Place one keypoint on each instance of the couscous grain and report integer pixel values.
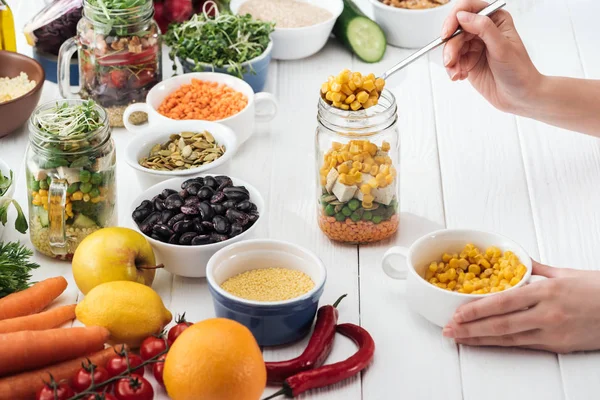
(11, 88)
(269, 284)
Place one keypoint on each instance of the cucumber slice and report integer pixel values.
(360, 34)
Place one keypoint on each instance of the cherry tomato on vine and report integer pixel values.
(117, 364)
(83, 378)
(54, 391)
(100, 396)
(152, 346)
(157, 369)
(134, 388)
(176, 330)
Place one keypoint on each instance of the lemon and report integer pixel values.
(216, 359)
(129, 310)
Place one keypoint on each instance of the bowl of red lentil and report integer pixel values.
(270, 286)
(205, 96)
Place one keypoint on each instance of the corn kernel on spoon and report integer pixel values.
(489, 10)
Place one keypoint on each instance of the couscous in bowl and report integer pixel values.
(272, 323)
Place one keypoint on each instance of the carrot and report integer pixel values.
(38, 322)
(22, 351)
(32, 300)
(25, 385)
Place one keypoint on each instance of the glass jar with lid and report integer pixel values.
(70, 175)
(119, 53)
(357, 154)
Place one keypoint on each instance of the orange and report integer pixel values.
(215, 359)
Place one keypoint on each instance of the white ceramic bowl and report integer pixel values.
(191, 261)
(5, 170)
(410, 28)
(262, 107)
(159, 132)
(435, 304)
(296, 43)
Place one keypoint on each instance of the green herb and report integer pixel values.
(15, 267)
(5, 202)
(226, 40)
(68, 120)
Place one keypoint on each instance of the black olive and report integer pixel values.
(201, 239)
(206, 211)
(175, 219)
(210, 182)
(146, 205)
(189, 210)
(174, 239)
(158, 196)
(244, 206)
(229, 204)
(219, 209)
(193, 188)
(184, 194)
(167, 192)
(235, 230)
(165, 216)
(218, 197)
(221, 224)
(243, 188)
(223, 181)
(200, 180)
(149, 222)
(162, 230)
(205, 193)
(207, 226)
(192, 201)
(159, 204)
(183, 226)
(174, 201)
(141, 214)
(187, 238)
(237, 216)
(198, 225)
(216, 238)
(236, 193)
(188, 182)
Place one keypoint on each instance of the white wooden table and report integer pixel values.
(463, 164)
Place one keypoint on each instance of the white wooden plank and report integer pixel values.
(399, 333)
(562, 166)
(485, 188)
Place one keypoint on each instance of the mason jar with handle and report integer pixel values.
(120, 57)
(70, 176)
(357, 155)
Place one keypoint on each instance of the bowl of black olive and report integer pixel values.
(187, 220)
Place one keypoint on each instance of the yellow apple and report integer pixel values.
(113, 254)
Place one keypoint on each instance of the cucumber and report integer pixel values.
(360, 34)
(43, 216)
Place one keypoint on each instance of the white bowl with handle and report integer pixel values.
(261, 107)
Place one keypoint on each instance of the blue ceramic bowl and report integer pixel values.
(256, 69)
(271, 323)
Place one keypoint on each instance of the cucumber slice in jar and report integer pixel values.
(360, 34)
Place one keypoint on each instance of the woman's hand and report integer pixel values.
(559, 314)
(491, 55)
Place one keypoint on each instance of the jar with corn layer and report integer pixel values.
(357, 171)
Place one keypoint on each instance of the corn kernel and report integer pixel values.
(467, 287)
(433, 266)
(368, 85)
(355, 105)
(368, 198)
(389, 180)
(373, 183)
(446, 257)
(441, 285)
(325, 88)
(385, 146)
(362, 97)
(374, 170)
(474, 269)
(379, 84)
(443, 277)
(451, 285)
(336, 87)
(429, 274)
(350, 99)
(451, 273)
(514, 281)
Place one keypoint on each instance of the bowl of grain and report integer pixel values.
(270, 286)
(411, 23)
(302, 27)
(21, 81)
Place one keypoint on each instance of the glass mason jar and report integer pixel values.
(357, 154)
(70, 185)
(120, 58)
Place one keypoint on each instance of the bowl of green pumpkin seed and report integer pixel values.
(179, 148)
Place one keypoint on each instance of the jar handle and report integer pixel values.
(57, 201)
(64, 68)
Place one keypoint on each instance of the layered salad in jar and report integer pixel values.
(358, 201)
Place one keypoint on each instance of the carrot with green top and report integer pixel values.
(32, 300)
(52, 318)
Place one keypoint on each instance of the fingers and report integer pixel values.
(453, 48)
(484, 28)
(469, 55)
(451, 23)
(501, 325)
(498, 304)
(524, 339)
(552, 272)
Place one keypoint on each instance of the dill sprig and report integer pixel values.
(15, 267)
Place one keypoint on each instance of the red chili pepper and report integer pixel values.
(317, 350)
(334, 373)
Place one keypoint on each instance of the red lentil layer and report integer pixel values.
(358, 232)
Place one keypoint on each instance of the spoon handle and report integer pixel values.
(489, 10)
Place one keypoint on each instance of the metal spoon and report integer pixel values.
(489, 10)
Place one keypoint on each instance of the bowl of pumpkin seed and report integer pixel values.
(178, 149)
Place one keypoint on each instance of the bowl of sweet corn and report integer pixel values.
(448, 268)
